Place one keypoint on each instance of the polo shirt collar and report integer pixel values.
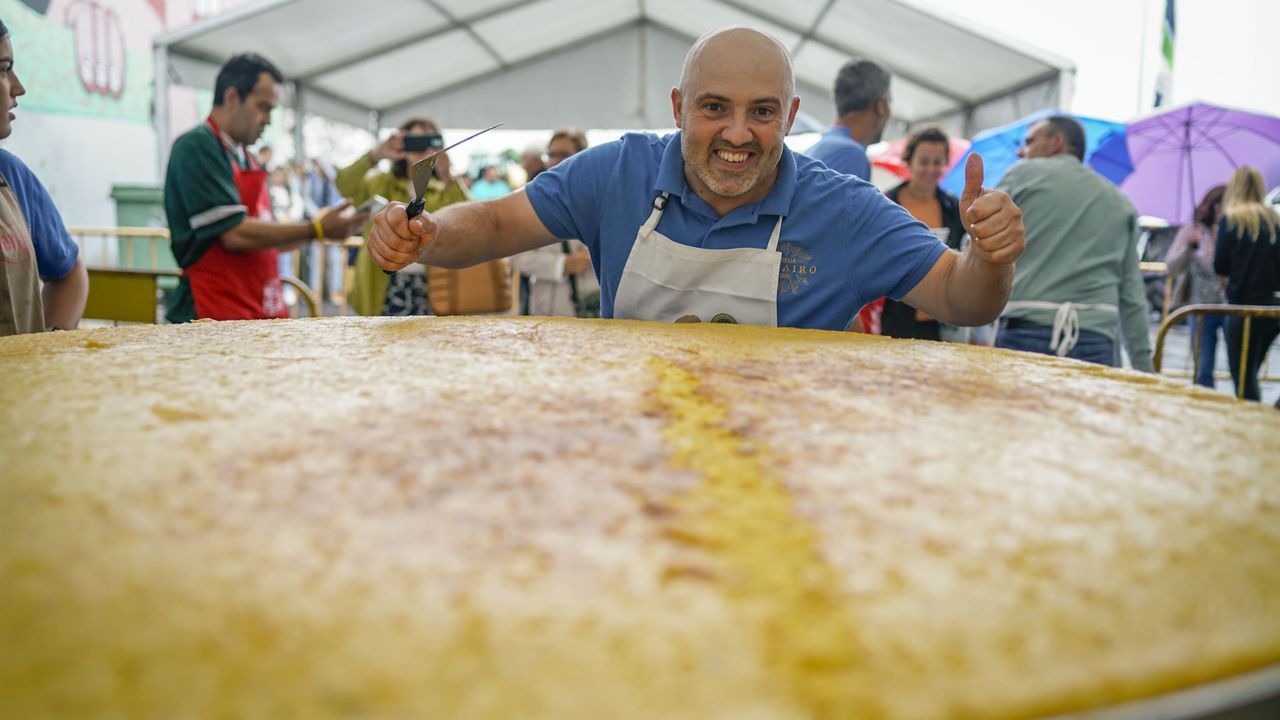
(238, 151)
(778, 202)
(839, 131)
(671, 169)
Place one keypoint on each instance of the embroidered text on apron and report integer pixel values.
(666, 281)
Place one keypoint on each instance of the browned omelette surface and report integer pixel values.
(523, 517)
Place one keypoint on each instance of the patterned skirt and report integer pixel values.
(406, 295)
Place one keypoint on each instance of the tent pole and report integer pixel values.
(1142, 54)
(299, 119)
(642, 86)
(1066, 89)
(160, 106)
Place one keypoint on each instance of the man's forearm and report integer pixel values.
(1137, 337)
(258, 235)
(976, 290)
(1133, 315)
(64, 298)
(473, 232)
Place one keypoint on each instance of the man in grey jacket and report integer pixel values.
(1078, 280)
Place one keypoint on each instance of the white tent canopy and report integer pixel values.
(600, 63)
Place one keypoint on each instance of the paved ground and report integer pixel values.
(1177, 357)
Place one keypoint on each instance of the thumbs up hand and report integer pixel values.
(994, 223)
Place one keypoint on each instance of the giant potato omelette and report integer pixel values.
(557, 518)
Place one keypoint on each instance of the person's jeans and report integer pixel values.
(1091, 347)
(333, 257)
(284, 262)
(1261, 335)
(1204, 331)
(309, 270)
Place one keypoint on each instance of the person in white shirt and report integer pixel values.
(561, 280)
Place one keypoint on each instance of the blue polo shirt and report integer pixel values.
(56, 252)
(840, 152)
(843, 243)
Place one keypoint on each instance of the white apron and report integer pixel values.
(666, 281)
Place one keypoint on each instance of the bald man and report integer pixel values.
(720, 222)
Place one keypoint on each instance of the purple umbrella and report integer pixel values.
(1179, 155)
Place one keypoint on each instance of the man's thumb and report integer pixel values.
(422, 224)
(973, 173)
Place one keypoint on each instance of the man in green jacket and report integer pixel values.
(1078, 280)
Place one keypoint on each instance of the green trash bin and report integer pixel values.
(142, 206)
(139, 205)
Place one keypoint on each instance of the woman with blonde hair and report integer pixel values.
(1247, 256)
(560, 279)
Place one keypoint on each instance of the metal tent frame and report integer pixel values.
(597, 63)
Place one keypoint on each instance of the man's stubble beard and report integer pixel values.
(706, 175)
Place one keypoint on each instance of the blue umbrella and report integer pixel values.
(999, 149)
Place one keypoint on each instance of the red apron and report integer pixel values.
(241, 284)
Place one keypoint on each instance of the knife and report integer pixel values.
(420, 174)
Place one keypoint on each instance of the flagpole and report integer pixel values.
(1168, 36)
(1142, 58)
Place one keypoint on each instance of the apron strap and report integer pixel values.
(1066, 320)
(1066, 329)
(659, 203)
(773, 239)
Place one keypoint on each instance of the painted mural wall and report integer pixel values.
(85, 57)
(85, 124)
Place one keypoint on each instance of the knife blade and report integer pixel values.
(421, 173)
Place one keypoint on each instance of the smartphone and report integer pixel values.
(422, 143)
(373, 204)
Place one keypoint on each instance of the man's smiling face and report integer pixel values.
(734, 108)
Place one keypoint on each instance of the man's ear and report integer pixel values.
(1059, 141)
(791, 116)
(228, 96)
(676, 102)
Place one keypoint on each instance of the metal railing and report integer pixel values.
(1249, 312)
(156, 240)
(1159, 267)
(304, 291)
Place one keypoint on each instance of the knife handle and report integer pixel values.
(413, 210)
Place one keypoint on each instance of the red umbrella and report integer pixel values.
(891, 158)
